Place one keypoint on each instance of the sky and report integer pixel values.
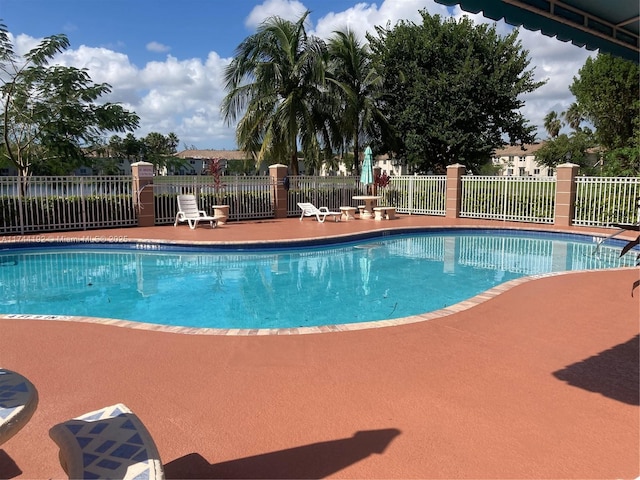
(165, 59)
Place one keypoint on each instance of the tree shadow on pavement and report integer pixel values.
(317, 460)
(612, 373)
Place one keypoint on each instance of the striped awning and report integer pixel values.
(610, 26)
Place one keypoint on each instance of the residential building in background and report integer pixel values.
(520, 161)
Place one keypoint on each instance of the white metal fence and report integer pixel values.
(422, 195)
(65, 203)
(247, 197)
(519, 199)
(409, 194)
(602, 201)
(81, 203)
(330, 192)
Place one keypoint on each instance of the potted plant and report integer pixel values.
(220, 209)
(380, 182)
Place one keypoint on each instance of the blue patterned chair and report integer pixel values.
(18, 402)
(108, 443)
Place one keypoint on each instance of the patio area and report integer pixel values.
(540, 381)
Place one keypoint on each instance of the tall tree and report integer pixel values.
(358, 85)
(567, 148)
(276, 80)
(453, 90)
(50, 112)
(160, 150)
(573, 116)
(608, 92)
(552, 124)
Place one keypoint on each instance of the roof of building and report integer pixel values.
(519, 150)
(211, 154)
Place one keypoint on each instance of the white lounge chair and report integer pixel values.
(188, 212)
(309, 210)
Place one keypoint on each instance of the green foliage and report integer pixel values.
(489, 169)
(274, 80)
(155, 148)
(622, 162)
(49, 113)
(565, 148)
(241, 167)
(552, 124)
(356, 87)
(452, 90)
(608, 93)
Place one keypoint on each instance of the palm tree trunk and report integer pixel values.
(293, 164)
(356, 153)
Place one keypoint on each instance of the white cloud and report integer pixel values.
(184, 95)
(557, 63)
(364, 17)
(23, 43)
(157, 47)
(288, 9)
(107, 66)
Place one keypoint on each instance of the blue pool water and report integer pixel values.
(376, 278)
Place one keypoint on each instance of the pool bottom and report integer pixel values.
(346, 327)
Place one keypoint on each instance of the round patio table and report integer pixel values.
(18, 401)
(369, 202)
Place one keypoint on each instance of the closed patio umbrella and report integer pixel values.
(366, 177)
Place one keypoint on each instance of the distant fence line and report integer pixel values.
(247, 197)
(82, 203)
(518, 199)
(606, 200)
(65, 203)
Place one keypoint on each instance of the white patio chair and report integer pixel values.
(309, 210)
(188, 212)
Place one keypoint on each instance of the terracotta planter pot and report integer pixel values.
(221, 211)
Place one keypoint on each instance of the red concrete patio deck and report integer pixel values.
(538, 382)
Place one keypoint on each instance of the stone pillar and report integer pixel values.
(277, 173)
(142, 175)
(565, 194)
(454, 190)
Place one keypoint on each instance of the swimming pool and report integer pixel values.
(380, 277)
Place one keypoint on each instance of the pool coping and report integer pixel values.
(142, 243)
(254, 245)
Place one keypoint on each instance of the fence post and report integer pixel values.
(21, 213)
(142, 175)
(277, 173)
(565, 194)
(454, 189)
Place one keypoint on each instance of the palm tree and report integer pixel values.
(276, 78)
(573, 116)
(552, 124)
(357, 84)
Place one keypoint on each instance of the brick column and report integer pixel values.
(142, 175)
(277, 173)
(565, 194)
(454, 189)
